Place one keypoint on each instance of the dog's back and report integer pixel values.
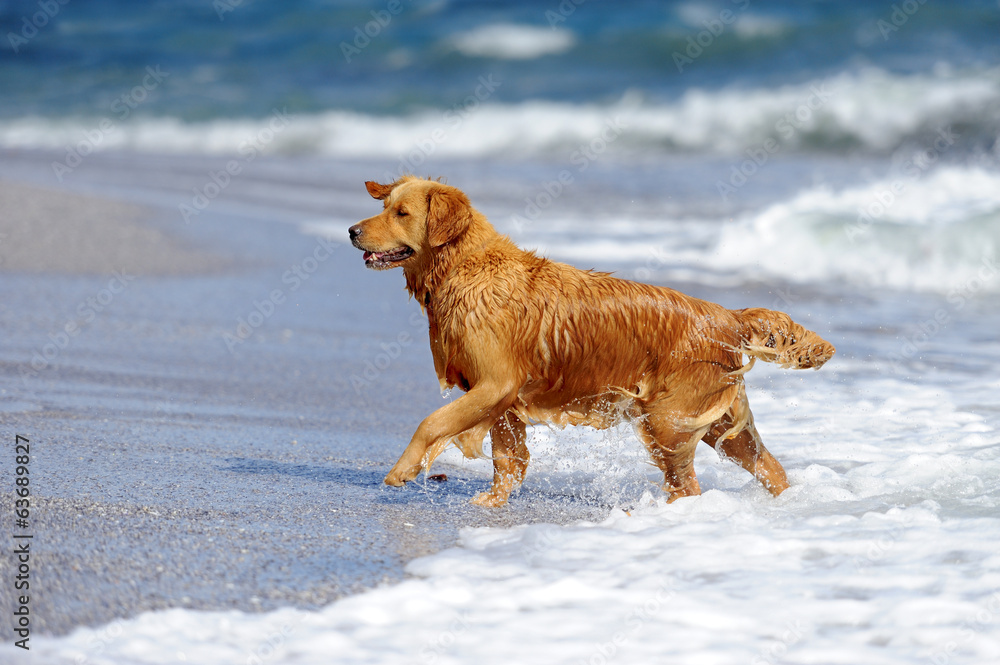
(531, 339)
(578, 333)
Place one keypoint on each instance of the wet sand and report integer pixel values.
(172, 466)
(51, 231)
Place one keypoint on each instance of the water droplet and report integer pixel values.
(446, 393)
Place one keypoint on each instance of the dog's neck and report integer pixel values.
(427, 275)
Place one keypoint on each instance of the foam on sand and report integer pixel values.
(882, 551)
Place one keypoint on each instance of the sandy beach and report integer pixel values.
(169, 470)
(212, 405)
(213, 386)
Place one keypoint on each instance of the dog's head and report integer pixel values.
(418, 217)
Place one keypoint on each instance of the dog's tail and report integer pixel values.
(774, 337)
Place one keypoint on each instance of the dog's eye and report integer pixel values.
(402, 213)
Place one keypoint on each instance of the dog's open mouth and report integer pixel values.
(379, 260)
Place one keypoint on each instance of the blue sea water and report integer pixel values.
(227, 59)
(850, 140)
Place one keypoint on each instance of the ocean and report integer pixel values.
(835, 160)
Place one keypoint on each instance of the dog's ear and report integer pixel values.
(378, 191)
(448, 215)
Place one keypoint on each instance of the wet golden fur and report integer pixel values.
(533, 340)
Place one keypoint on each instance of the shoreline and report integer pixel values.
(172, 471)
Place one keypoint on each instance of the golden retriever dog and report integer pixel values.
(531, 340)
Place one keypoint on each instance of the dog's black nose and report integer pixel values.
(355, 231)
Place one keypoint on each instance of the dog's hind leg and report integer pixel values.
(672, 449)
(510, 460)
(747, 450)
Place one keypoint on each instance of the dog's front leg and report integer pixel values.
(477, 410)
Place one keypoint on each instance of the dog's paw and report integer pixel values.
(394, 480)
(399, 477)
(489, 500)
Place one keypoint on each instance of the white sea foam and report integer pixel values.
(512, 42)
(933, 231)
(870, 110)
(745, 24)
(883, 551)
(751, 26)
(937, 232)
